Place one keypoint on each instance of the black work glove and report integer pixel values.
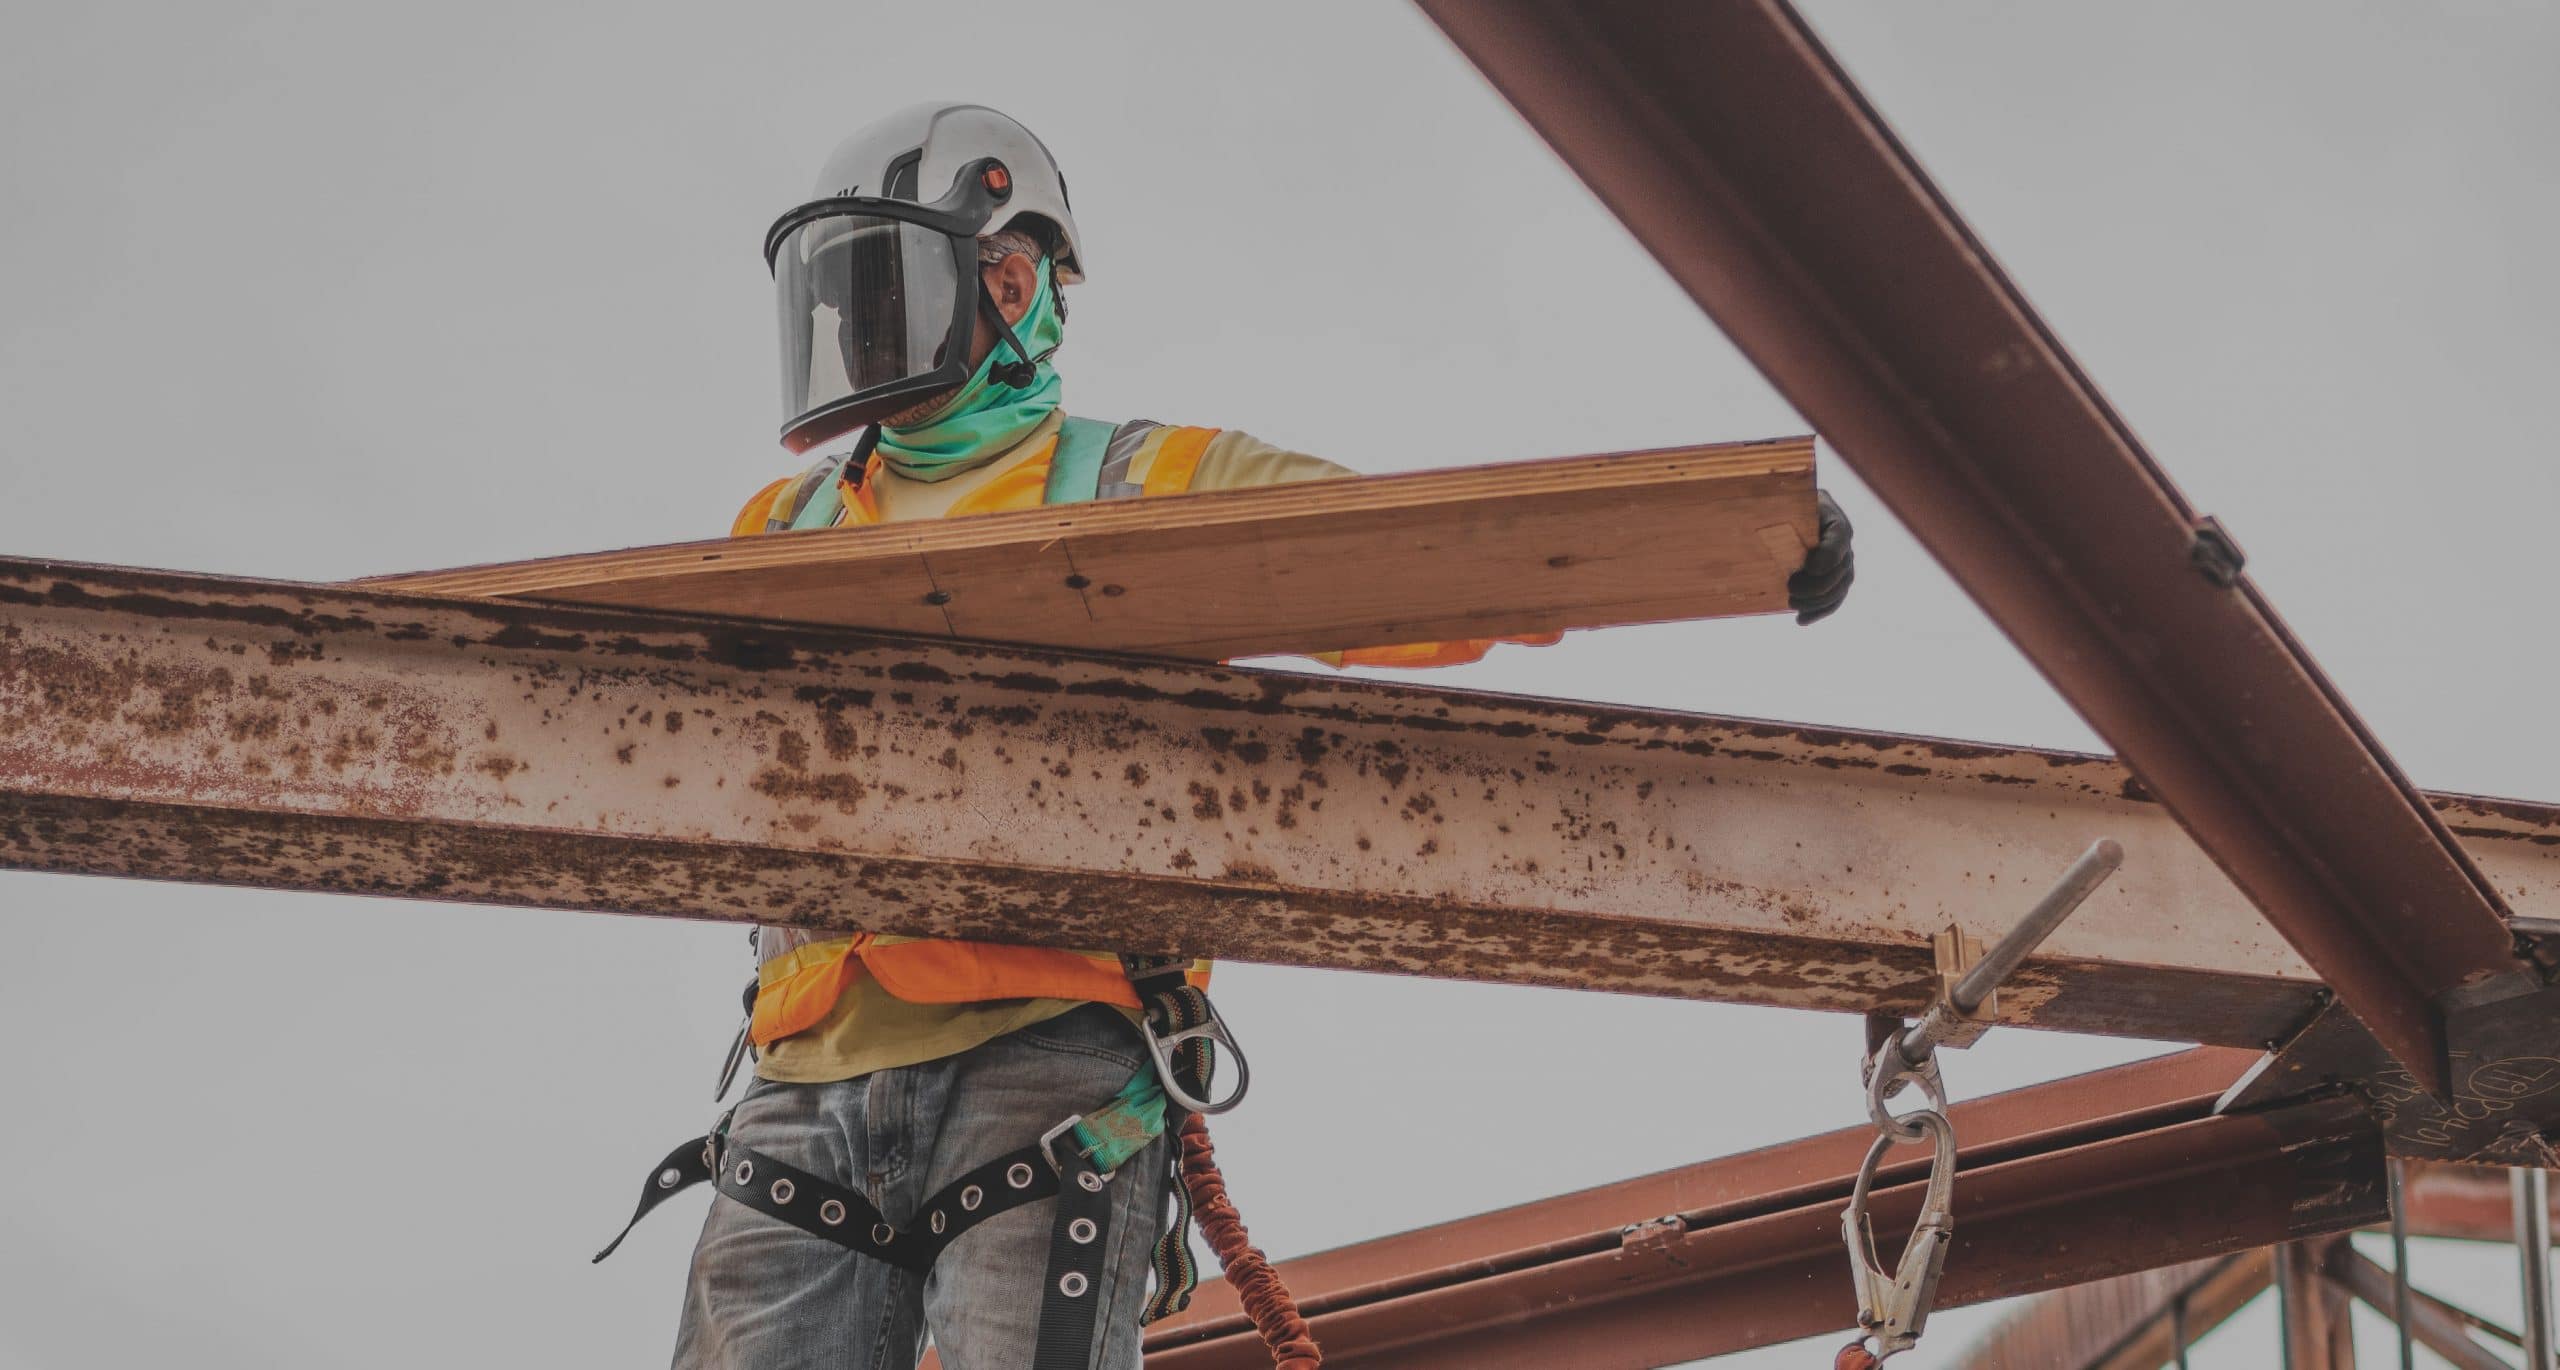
(1817, 588)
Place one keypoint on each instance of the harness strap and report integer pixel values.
(686, 1166)
(825, 1209)
(1072, 1302)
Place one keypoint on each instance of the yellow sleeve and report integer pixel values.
(751, 519)
(1236, 461)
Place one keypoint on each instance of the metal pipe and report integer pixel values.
(2178, 1328)
(2530, 1191)
(2400, 1263)
(2101, 860)
(1949, 1020)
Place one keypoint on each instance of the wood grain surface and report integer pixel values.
(1472, 552)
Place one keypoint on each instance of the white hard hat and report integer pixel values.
(876, 273)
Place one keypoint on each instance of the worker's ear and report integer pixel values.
(1013, 284)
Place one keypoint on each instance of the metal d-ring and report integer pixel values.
(1214, 1030)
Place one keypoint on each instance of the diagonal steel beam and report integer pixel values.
(309, 737)
(1740, 153)
(2130, 1322)
(2079, 1180)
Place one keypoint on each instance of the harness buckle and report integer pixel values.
(1142, 969)
(1161, 1046)
(1049, 1146)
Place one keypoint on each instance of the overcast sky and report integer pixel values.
(322, 290)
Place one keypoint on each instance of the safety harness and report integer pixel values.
(1074, 1161)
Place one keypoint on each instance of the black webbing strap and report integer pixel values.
(1078, 1242)
(823, 1208)
(686, 1166)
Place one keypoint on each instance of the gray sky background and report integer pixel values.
(322, 290)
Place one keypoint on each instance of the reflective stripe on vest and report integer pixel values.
(804, 972)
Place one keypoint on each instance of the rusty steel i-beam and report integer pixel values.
(2082, 1179)
(312, 737)
(1740, 153)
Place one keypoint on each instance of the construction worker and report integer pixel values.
(899, 1079)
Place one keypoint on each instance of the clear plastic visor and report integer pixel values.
(866, 303)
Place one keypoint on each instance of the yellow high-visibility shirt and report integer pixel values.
(835, 1021)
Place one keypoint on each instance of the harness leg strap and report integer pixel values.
(1079, 1243)
(686, 1166)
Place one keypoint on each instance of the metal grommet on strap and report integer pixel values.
(882, 1234)
(746, 1171)
(937, 1222)
(831, 1213)
(1073, 1284)
(669, 1177)
(1082, 1231)
(1091, 1180)
(971, 1197)
(1018, 1175)
(782, 1191)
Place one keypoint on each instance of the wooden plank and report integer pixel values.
(1484, 551)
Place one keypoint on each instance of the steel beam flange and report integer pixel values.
(2504, 1075)
(1738, 150)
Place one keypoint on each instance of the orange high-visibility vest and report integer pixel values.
(802, 974)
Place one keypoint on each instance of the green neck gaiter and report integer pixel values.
(987, 416)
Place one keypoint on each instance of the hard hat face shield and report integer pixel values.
(878, 303)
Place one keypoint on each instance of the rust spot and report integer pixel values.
(1136, 774)
(675, 721)
(792, 750)
(1183, 860)
(623, 752)
(837, 788)
(1204, 802)
(499, 765)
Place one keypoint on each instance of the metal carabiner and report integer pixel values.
(1893, 1308)
(1215, 1031)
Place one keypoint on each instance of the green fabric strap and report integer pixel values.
(1075, 469)
(1120, 1129)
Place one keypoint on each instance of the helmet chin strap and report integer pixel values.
(1025, 368)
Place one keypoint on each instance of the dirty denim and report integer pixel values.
(764, 1295)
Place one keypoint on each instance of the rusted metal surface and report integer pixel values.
(2082, 1108)
(307, 737)
(2130, 1322)
(1739, 152)
(2505, 1088)
(2073, 1188)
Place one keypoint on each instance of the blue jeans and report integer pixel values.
(764, 1295)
